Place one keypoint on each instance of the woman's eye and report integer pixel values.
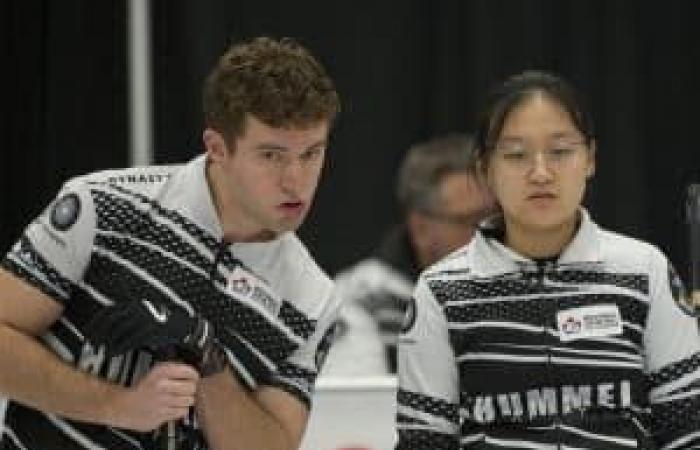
(514, 154)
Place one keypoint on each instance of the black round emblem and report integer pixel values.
(65, 212)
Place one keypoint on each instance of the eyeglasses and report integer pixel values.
(557, 156)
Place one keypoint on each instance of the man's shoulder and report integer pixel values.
(301, 280)
(140, 179)
(287, 265)
(297, 259)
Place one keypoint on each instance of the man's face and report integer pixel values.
(269, 177)
(463, 202)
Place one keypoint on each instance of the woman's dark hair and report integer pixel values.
(516, 90)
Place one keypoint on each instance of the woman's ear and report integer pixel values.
(591, 159)
(482, 174)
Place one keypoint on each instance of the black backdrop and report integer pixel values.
(406, 70)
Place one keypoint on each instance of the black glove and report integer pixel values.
(170, 333)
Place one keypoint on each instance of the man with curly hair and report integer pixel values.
(173, 306)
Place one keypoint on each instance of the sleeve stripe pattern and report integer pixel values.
(295, 380)
(676, 410)
(407, 421)
(675, 371)
(26, 263)
(433, 406)
(424, 422)
(71, 434)
(426, 440)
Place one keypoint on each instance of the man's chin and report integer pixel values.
(286, 226)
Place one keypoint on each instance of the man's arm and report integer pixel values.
(273, 415)
(32, 375)
(236, 419)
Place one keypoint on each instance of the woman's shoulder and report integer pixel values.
(625, 249)
(458, 263)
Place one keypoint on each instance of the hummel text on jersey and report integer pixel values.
(546, 401)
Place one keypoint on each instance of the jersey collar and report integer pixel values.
(192, 197)
(583, 248)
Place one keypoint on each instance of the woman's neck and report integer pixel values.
(540, 242)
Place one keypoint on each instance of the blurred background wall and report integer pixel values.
(405, 70)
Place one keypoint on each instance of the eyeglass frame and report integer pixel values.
(555, 156)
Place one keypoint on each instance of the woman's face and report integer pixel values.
(540, 164)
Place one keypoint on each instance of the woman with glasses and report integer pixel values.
(547, 331)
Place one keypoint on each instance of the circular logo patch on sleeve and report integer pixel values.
(65, 212)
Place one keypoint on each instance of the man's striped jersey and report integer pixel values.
(153, 233)
(593, 349)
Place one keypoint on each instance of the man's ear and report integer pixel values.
(214, 144)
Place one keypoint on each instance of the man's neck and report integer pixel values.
(233, 228)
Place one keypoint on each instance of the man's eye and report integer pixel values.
(311, 154)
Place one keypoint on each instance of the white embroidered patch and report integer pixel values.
(245, 285)
(589, 321)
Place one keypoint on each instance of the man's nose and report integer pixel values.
(292, 175)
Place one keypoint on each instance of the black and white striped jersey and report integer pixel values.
(153, 232)
(589, 351)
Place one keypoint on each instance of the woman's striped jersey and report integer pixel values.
(595, 349)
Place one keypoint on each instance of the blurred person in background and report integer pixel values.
(442, 201)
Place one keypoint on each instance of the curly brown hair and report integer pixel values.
(279, 82)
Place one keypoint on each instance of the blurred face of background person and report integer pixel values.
(443, 196)
(461, 202)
